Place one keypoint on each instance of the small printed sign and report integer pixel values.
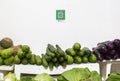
(60, 14)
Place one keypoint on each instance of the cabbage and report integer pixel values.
(115, 76)
(10, 77)
(79, 74)
(43, 77)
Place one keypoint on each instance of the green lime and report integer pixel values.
(78, 60)
(85, 59)
(92, 58)
(80, 53)
(76, 46)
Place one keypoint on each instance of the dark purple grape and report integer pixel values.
(116, 42)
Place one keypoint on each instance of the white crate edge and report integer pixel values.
(35, 69)
(7, 68)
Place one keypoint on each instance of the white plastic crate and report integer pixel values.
(35, 69)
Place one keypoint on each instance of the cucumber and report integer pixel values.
(60, 51)
(38, 60)
(44, 61)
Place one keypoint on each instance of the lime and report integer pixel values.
(80, 53)
(76, 46)
(92, 58)
(78, 60)
(85, 59)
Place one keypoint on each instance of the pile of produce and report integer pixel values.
(20, 54)
(55, 56)
(115, 76)
(107, 50)
(75, 74)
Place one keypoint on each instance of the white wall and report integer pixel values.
(33, 22)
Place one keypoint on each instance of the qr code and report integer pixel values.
(60, 14)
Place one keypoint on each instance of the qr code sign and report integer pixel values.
(60, 14)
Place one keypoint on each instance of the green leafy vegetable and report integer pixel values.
(43, 77)
(10, 77)
(79, 74)
(114, 77)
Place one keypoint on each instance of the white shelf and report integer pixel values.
(7, 68)
(34, 69)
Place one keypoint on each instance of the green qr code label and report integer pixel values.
(60, 14)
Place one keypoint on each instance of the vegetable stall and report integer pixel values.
(55, 58)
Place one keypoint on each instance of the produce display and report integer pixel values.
(107, 50)
(53, 57)
(75, 74)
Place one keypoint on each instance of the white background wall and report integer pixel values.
(33, 22)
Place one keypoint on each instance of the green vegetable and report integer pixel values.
(54, 59)
(64, 64)
(75, 74)
(92, 58)
(32, 59)
(77, 59)
(20, 53)
(7, 52)
(70, 51)
(6, 42)
(48, 52)
(38, 60)
(28, 55)
(24, 61)
(60, 51)
(48, 57)
(94, 76)
(115, 76)
(76, 46)
(16, 59)
(51, 65)
(70, 59)
(52, 48)
(25, 48)
(10, 77)
(44, 61)
(86, 51)
(9, 61)
(27, 79)
(1, 61)
(80, 53)
(61, 59)
(56, 64)
(61, 78)
(85, 59)
(43, 77)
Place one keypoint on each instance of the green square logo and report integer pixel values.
(60, 14)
